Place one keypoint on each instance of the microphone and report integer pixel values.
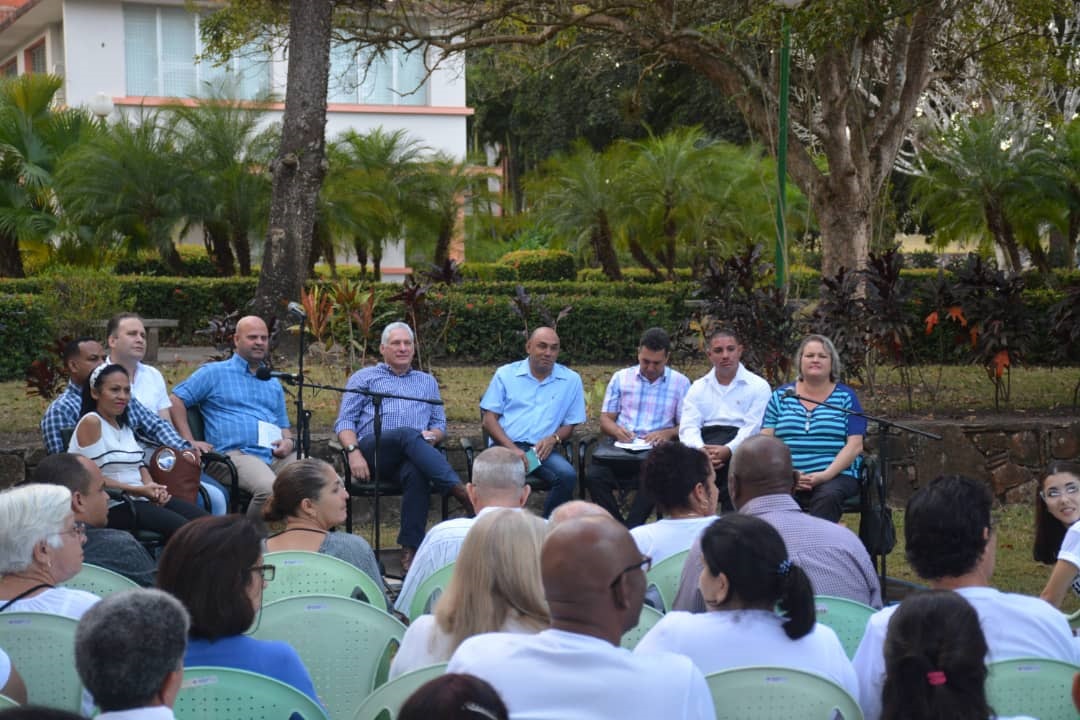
(295, 309)
(265, 373)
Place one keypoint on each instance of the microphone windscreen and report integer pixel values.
(263, 373)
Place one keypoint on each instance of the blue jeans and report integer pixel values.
(418, 466)
(219, 497)
(558, 474)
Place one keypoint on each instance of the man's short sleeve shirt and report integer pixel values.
(532, 409)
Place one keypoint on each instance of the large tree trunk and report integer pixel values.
(300, 166)
(638, 253)
(242, 246)
(216, 242)
(360, 244)
(1002, 231)
(605, 249)
(11, 264)
(845, 229)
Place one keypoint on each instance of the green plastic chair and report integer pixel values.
(1074, 620)
(846, 618)
(42, 649)
(777, 693)
(429, 591)
(220, 693)
(665, 575)
(649, 617)
(6, 702)
(1038, 687)
(386, 702)
(310, 573)
(100, 581)
(346, 645)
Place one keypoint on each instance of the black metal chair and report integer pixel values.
(875, 517)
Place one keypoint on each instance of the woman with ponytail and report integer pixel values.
(759, 609)
(934, 668)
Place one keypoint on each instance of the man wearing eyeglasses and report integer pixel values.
(576, 667)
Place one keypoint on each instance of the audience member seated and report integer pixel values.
(244, 416)
(214, 566)
(951, 544)
(495, 587)
(129, 651)
(454, 697)
(934, 668)
(682, 482)
(115, 550)
(594, 583)
(11, 683)
(534, 404)
(410, 431)
(311, 499)
(575, 509)
(498, 481)
(40, 548)
(38, 712)
(1057, 534)
(643, 402)
(760, 609)
(826, 444)
(833, 557)
(105, 436)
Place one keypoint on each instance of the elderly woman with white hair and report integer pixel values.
(40, 548)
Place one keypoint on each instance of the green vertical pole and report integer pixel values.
(781, 154)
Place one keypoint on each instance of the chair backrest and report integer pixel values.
(665, 575)
(345, 644)
(195, 422)
(6, 702)
(42, 648)
(309, 573)
(100, 581)
(649, 617)
(429, 591)
(1037, 687)
(1074, 620)
(219, 693)
(846, 618)
(385, 703)
(777, 693)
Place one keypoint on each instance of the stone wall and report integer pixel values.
(1009, 453)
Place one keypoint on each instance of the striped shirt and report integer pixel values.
(816, 436)
(644, 406)
(358, 414)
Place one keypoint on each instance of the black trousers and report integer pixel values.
(165, 519)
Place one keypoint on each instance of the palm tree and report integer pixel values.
(131, 184)
(222, 141)
(1066, 157)
(33, 136)
(448, 185)
(579, 196)
(987, 178)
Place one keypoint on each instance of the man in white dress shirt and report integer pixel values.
(951, 544)
(594, 582)
(498, 481)
(129, 651)
(724, 407)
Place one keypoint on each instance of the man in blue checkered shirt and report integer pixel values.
(410, 431)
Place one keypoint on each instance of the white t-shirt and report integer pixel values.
(425, 643)
(5, 669)
(664, 538)
(721, 640)
(1015, 626)
(1070, 552)
(149, 388)
(58, 601)
(558, 674)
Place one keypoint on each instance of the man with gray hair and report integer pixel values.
(129, 651)
(498, 481)
(411, 428)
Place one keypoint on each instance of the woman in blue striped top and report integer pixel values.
(825, 443)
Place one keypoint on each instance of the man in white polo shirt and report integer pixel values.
(951, 544)
(498, 481)
(594, 583)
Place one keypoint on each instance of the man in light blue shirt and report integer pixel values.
(236, 406)
(535, 403)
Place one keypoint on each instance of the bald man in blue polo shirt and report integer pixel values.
(535, 403)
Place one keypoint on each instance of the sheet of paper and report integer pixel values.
(269, 433)
(637, 445)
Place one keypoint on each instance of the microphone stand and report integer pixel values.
(884, 426)
(376, 479)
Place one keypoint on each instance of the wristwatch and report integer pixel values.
(349, 449)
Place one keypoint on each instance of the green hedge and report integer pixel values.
(24, 331)
(488, 271)
(194, 261)
(541, 264)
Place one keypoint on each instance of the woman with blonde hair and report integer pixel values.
(495, 587)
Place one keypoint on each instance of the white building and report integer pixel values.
(133, 54)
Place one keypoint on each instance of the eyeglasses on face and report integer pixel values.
(266, 571)
(645, 563)
(1057, 493)
(78, 530)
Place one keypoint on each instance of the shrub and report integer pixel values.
(24, 331)
(77, 299)
(921, 259)
(194, 261)
(192, 301)
(541, 264)
(634, 274)
(488, 271)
